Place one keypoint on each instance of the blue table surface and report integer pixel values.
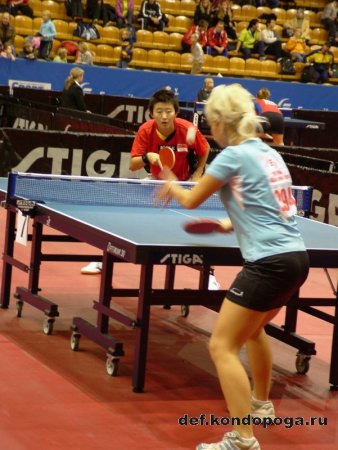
(157, 226)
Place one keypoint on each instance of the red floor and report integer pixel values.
(54, 398)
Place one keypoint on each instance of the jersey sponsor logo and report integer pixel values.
(237, 292)
(182, 258)
(182, 148)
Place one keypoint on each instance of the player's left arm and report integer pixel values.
(202, 160)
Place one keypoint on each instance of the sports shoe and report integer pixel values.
(260, 408)
(213, 284)
(232, 441)
(93, 268)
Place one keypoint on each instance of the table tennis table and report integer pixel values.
(118, 217)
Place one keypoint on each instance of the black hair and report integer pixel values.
(163, 96)
(252, 23)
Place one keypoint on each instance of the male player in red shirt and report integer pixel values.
(165, 129)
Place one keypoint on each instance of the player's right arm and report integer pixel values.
(140, 156)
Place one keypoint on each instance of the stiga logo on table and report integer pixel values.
(182, 258)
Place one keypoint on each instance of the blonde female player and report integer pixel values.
(255, 188)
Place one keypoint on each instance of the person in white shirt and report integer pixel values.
(273, 45)
(197, 54)
(329, 20)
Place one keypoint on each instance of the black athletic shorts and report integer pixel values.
(270, 282)
(275, 124)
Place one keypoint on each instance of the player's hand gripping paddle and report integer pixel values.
(167, 157)
(203, 226)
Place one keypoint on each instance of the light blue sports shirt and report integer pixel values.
(257, 196)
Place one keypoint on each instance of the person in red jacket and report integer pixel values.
(274, 125)
(217, 40)
(201, 30)
(16, 7)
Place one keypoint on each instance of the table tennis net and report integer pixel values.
(93, 191)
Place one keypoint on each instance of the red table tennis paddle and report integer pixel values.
(167, 157)
(203, 226)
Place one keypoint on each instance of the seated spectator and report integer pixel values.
(204, 93)
(127, 49)
(225, 14)
(201, 30)
(28, 51)
(74, 9)
(84, 56)
(61, 56)
(329, 20)
(7, 53)
(217, 40)
(197, 55)
(7, 31)
(203, 12)
(299, 21)
(322, 64)
(47, 33)
(124, 12)
(151, 15)
(273, 45)
(16, 7)
(97, 10)
(250, 40)
(296, 46)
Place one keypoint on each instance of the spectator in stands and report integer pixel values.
(329, 19)
(151, 15)
(126, 50)
(217, 40)
(7, 53)
(201, 30)
(204, 93)
(203, 12)
(273, 45)
(97, 10)
(7, 31)
(296, 46)
(84, 56)
(197, 54)
(224, 13)
(322, 63)
(124, 12)
(74, 9)
(61, 56)
(299, 21)
(275, 120)
(16, 7)
(28, 51)
(250, 40)
(72, 95)
(47, 32)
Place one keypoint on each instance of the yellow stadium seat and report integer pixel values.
(175, 41)
(37, 21)
(280, 13)
(105, 54)
(36, 7)
(18, 43)
(188, 8)
(253, 67)
(263, 10)
(318, 36)
(248, 12)
(53, 7)
(171, 7)
(207, 64)
(236, 12)
(186, 62)
(269, 69)
(110, 35)
(62, 29)
(220, 64)
(172, 60)
(23, 25)
(181, 24)
(144, 38)
(241, 25)
(139, 59)
(156, 59)
(161, 40)
(236, 66)
(291, 13)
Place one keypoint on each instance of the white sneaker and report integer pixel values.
(213, 283)
(260, 408)
(232, 441)
(93, 268)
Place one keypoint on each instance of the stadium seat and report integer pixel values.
(186, 62)
(236, 66)
(181, 24)
(62, 29)
(110, 35)
(318, 36)
(291, 13)
(36, 7)
(55, 47)
(207, 64)
(156, 59)
(105, 54)
(175, 41)
(188, 8)
(53, 7)
(36, 24)
(253, 67)
(137, 6)
(161, 40)
(220, 64)
(334, 50)
(241, 25)
(279, 30)
(269, 69)
(248, 12)
(171, 7)
(93, 50)
(18, 43)
(236, 12)
(280, 13)
(144, 38)
(23, 25)
(140, 58)
(172, 60)
(117, 54)
(263, 10)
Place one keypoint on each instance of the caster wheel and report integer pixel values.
(19, 306)
(75, 342)
(185, 309)
(112, 366)
(48, 325)
(302, 363)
